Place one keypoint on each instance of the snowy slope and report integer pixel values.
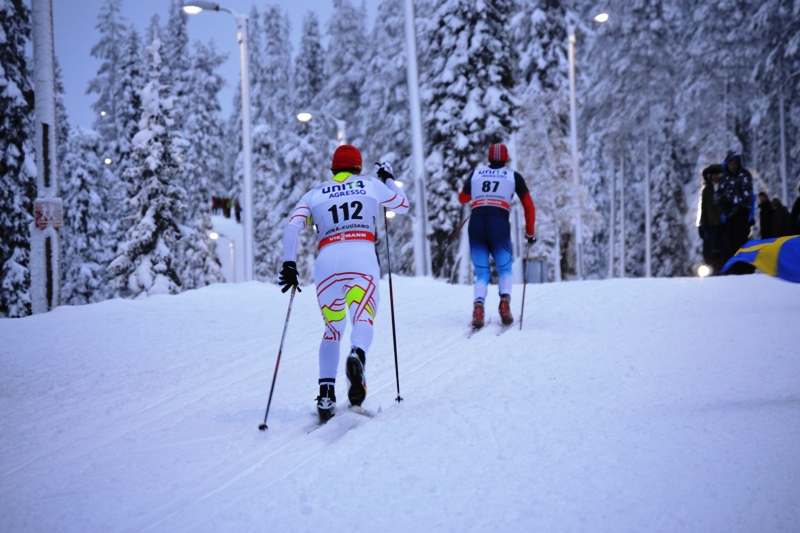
(623, 405)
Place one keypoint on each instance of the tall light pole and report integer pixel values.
(194, 7)
(573, 125)
(573, 122)
(307, 115)
(48, 208)
(422, 247)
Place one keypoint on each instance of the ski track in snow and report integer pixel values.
(655, 405)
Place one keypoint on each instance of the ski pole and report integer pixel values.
(524, 283)
(456, 232)
(391, 304)
(263, 426)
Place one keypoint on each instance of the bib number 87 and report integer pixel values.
(487, 186)
(345, 209)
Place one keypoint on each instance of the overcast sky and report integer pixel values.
(75, 33)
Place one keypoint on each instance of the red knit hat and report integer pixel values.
(346, 156)
(498, 152)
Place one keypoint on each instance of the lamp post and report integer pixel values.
(784, 186)
(306, 116)
(422, 246)
(216, 235)
(573, 122)
(194, 7)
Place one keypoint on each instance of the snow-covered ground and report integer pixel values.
(624, 405)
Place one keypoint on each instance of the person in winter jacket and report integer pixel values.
(490, 189)
(343, 210)
(781, 220)
(795, 214)
(735, 197)
(710, 220)
(765, 216)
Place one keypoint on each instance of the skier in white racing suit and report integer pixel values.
(346, 271)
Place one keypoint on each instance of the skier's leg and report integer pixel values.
(504, 259)
(479, 252)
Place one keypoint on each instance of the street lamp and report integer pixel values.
(192, 8)
(784, 187)
(573, 121)
(214, 236)
(306, 116)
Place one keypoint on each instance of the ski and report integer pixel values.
(319, 423)
(504, 328)
(473, 330)
(357, 409)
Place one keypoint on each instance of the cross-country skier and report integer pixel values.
(490, 189)
(346, 272)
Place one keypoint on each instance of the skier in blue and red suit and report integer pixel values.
(490, 190)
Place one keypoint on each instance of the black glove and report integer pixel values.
(701, 230)
(530, 238)
(288, 276)
(384, 171)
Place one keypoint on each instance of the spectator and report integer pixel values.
(765, 216)
(710, 220)
(795, 214)
(735, 197)
(781, 221)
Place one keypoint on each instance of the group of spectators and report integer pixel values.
(775, 219)
(727, 214)
(224, 206)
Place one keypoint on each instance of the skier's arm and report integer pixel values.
(466, 193)
(391, 196)
(298, 219)
(527, 204)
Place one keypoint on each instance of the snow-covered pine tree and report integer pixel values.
(776, 28)
(544, 154)
(386, 122)
(131, 78)
(344, 68)
(302, 170)
(145, 263)
(629, 99)
(62, 120)
(267, 250)
(309, 70)
(17, 160)
(255, 49)
(113, 33)
(276, 75)
(84, 239)
(309, 149)
(468, 103)
(175, 54)
(203, 128)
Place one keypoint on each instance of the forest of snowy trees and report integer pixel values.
(664, 88)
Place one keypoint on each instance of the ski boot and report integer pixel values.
(505, 312)
(477, 315)
(356, 376)
(326, 401)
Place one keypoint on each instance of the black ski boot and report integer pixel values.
(326, 401)
(356, 376)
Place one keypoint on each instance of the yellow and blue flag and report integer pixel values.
(777, 257)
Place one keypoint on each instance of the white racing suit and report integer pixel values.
(346, 273)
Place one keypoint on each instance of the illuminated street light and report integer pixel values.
(308, 115)
(192, 8)
(573, 120)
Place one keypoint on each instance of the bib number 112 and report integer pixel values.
(345, 209)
